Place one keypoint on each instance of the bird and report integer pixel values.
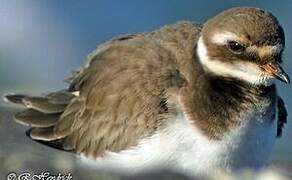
(197, 98)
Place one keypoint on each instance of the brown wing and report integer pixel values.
(122, 96)
(123, 93)
(282, 116)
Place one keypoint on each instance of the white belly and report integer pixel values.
(247, 146)
(184, 148)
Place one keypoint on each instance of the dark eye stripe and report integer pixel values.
(235, 47)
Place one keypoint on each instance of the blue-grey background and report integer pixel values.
(41, 42)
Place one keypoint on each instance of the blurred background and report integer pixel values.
(41, 42)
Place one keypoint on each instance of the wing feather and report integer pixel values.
(35, 118)
(120, 102)
(122, 94)
(282, 116)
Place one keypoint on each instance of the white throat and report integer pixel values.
(245, 71)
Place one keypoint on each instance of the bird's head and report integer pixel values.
(245, 44)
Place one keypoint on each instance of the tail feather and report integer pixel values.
(34, 118)
(43, 104)
(42, 114)
(57, 144)
(14, 98)
(44, 134)
(60, 97)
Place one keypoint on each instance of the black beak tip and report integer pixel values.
(288, 80)
(284, 78)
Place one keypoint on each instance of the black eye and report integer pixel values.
(235, 47)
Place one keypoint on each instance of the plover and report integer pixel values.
(192, 97)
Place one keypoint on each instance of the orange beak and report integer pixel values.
(274, 69)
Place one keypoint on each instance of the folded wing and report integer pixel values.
(119, 98)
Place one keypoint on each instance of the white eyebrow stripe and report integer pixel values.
(223, 38)
(245, 71)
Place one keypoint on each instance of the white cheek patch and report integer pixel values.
(245, 71)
